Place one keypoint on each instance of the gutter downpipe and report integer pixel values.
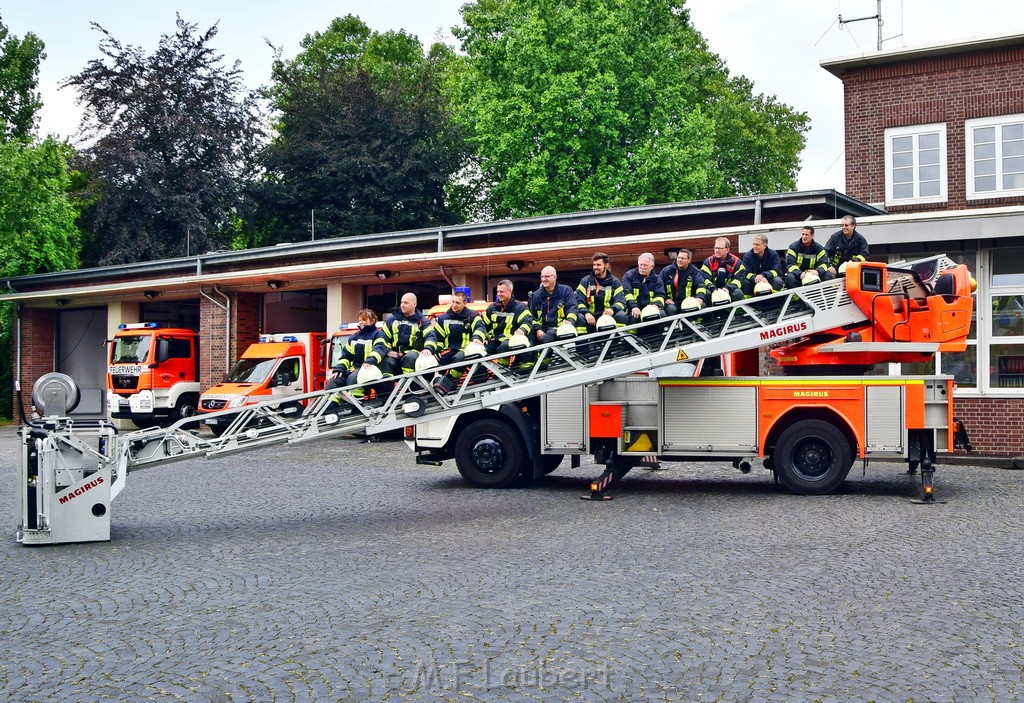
(445, 276)
(226, 307)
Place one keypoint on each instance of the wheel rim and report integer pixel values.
(488, 455)
(812, 458)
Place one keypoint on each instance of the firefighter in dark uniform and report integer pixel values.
(601, 294)
(761, 265)
(682, 280)
(723, 271)
(505, 318)
(643, 287)
(363, 350)
(551, 305)
(845, 245)
(403, 332)
(803, 256)
(448, 336)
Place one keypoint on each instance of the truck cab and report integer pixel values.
(152, 373)
(276, 367)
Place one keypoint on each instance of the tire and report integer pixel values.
(550, 462)
(186, 407)
(490, 454)
(812, 457)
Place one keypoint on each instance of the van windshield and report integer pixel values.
(250, 370)
(130, 350)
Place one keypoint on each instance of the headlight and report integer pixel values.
(236, 402)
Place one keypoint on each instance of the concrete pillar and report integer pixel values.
(343, 302)
(118, 312)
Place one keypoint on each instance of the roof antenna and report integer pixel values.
(876, 16)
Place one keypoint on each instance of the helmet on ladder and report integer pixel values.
(566, 330)
(762, 288)
(425, 361)
(690, 304)
(518, 341)
(368, 374)
(650, 312)
(809, 276)
(605, 322)
(842, 267)
(473, 350)
(720, 296)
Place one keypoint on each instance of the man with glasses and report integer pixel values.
(845, 245)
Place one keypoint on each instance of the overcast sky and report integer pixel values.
(778, 45)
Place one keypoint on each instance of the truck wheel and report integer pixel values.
(185, 407)
(812, 457)
(490, 454)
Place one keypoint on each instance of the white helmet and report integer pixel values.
(425, 361)
(566, 330)
(605, 322)
(842, 267)
(720, 296)
(474, 349)
(518, 341)
(762, 288)
(650, 312)
(368, 374)
(809, 276)
(691, 303)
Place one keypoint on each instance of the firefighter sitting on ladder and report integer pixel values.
(553, 305)
(507, 322)
(724, 273)
(360, 360)
(685, 287)
(645, 293)
(456, 335)
(806, 261)
(403, 332)
(602, 296)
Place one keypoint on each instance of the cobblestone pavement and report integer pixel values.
(340, 571)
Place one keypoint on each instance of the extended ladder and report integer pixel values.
(60, 456)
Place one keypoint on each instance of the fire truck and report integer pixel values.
(277, 367)
(152, 374)
(620, 394)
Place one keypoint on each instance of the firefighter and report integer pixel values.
(507, 321)
(449, 337)
(806, 261)
(360, 359)
(552, 305)
(601, 294)
(724, 273)
(761, 264)
(403, 332)
(683, 282)
(845, 245)
(643, 288)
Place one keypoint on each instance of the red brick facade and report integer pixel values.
(217, 344)
(947, 89)
(37, 348)
(995, 425)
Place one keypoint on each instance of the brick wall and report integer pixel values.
(37, 344)
(245, 330)
(995, 425)
(948, 89)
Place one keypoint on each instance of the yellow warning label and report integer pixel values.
(642, 443)
(681, 356)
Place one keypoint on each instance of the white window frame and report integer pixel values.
(915, 131)
(996, 122)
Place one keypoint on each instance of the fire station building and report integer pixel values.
(934, 164)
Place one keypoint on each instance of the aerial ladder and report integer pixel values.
(71, 470)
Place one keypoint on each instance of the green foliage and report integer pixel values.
(37, 220)
(171, 136)
(363, 143)
(583, 104)
(19, 74)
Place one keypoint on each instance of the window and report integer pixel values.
(915, 164)
(995, 156)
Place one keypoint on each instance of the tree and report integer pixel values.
(363, 142)
(583, 104)
(170, 138)
(19, 74)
